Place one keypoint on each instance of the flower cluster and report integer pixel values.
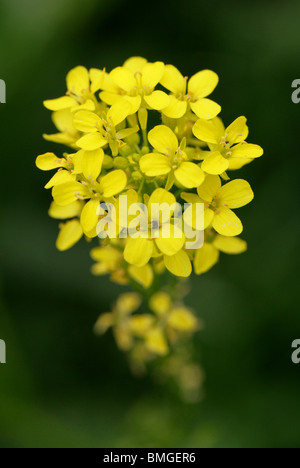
(146, 131)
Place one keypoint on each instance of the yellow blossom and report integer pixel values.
(135, 83)
(192, 93)
(219, 201)
(228, 149)
(170, 159)
(78, 92)
(140, 248)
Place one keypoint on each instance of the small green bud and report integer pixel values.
(136, 175)
(125, 150)
(120, 163)
(133, 139)
(136, 157)
(108, 162)
(145, 150)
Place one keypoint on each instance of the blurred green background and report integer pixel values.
(62, 386)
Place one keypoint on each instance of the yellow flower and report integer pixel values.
(170, 160)
(135, 83)
(79, 94)
(119, 319)
(68, 134)
(191, 94)
(219, 201)
(228, 149)
(178, 317)
(101, 132)
(168, 238)
(111, 184)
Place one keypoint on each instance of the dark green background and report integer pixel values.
(62, 386)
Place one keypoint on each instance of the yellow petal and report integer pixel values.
(62, 138)
(194, 216)
(215, 163)
(237, 131)
(118, 112)
(238, 163)
(135, 64)
(152, 73)
(230, 245)
(142, 275)
(109, 256)
(65, 194)
(138, 251)
(91, 142)
(205, 109)
(69, 235)
(92, 163)
(206, 131)
(88, 105)
(189, 175)
(181, 319)
(65, 212)
(209, 188)
(156, 342)
(61, 177)
(63, 102)
(49, 161)
(97, 79)
(163, 139)
(154, 164)
(78, 81)
(123, 78)
(157, 100)
(160, 196)
(109, 97)
(160, 303)
(179, 264)
(173, 80)
(208, 217)
(172, 242)
(87, 122)
(104, 322)
(190, 197)
(108, 84)
(203, 83)
(227, 223)
(175, 109)
(127, 132)
(89, 217)
(134, 101)
(246, 151)
(141, 324)
(236, 193)
(113, 183)
(205, 258)
(128, 303)
(63, 120)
